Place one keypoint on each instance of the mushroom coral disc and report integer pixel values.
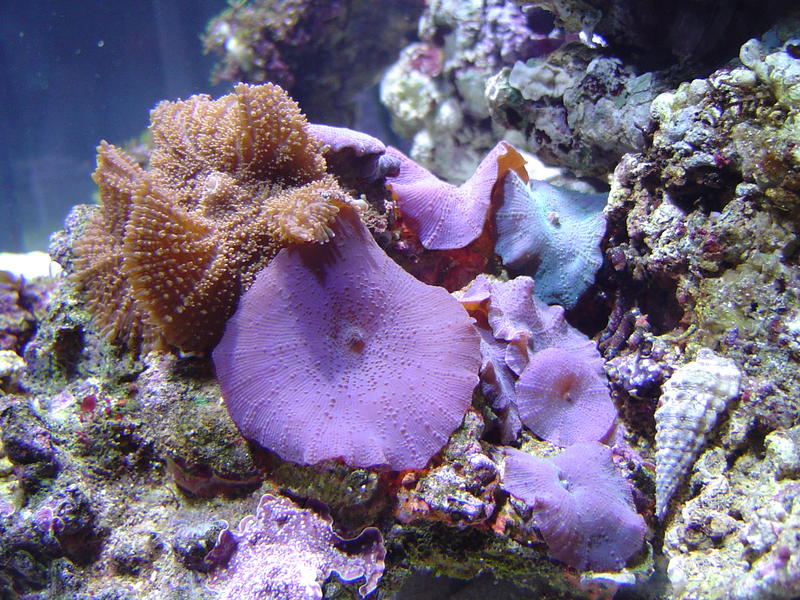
(446, 217)
(336, 352)
(581, 504)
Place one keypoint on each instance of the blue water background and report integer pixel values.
(73, 73)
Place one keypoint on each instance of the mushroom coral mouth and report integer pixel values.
(336, 352)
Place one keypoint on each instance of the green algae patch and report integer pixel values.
(465, 554)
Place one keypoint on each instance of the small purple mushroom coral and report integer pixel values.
(559, 387)
(336, 352)
(286, 552)
(563, 399)
(445, 216)
(581, 504)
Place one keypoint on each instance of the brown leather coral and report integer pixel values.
(231, 181)
(98, 262)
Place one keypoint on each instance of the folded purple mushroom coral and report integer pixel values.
(336, 352)
(445, 216)
(559, 386)
(286, 552)
(370, 153)
(581, 504)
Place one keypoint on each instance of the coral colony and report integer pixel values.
(382, 363)
(582, 505)
(334, 351)
(231, 181)
(536, 369)
(443, 216)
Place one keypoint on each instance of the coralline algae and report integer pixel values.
(287, 552)
(691, 403)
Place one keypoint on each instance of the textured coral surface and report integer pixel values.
(551, 234)
(122, 473)
(336, 352)
(231, 181)
(583, 507)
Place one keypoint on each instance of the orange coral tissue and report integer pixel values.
(231, 181)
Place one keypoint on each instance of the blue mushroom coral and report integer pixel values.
(552, 234)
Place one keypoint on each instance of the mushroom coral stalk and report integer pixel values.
(336, 352)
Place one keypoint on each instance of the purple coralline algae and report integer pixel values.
(443, 216)
(285, 552)
(535, 366)
(702, 247)
(553, 235)
(20, 299)
(336, 352)
(581, 504)
(460, 491)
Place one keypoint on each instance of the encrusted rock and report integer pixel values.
(284, 551)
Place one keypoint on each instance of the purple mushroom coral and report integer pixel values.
(369, 152)
(581, 504)
(444, 216)
(563, 399)
(518, 317)
(336, 352)
(287, 552)
(536, 369)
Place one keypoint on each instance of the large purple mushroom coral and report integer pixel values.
(336, 352)
(581, 504)
(445, 216)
